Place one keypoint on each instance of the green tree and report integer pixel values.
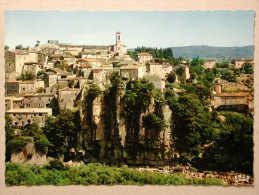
(180, 71)
(40, 90)
(248, 68)
(37, 43)
(30, 129)
(62, 64)
(192, 122)
(42, 145)
(6, 47)
(55, 106)
(19, 47)
(171, 78)
(61, 132)
(27, 76)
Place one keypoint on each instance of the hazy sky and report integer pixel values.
(138, 28)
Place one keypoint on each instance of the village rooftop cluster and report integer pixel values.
(62, 71)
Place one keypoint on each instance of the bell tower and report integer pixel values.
(118, 41)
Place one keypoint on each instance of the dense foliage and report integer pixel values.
(27, 76)
(159, 55)
(61, 131)
(92, 174)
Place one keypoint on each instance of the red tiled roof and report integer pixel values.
(144, 54)
(13, 81)
(97, 70)
(91, 60)
(85, 66)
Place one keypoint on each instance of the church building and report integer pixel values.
(118, 47)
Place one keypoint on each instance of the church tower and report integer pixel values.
(118, 41)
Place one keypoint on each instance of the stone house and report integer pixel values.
(131, 72)
(155, 69)
(38, 83)
(84, 70)
(34, 68)
(209, 64)
(15, 60)
(186, 73)
(144, 57)
(50, 79)
(96, 48)
(238, 100)
(27, 87)
(72, 52)
(95, 55)
(89, 55)
(77, 82)
(158, 82)
(239, 62)
(98, 75)
(23, 116)
(66, 47)
(12, 102)
(12, 87)
(92, 62)
(38, 100)
(167, 69)
(68, 96)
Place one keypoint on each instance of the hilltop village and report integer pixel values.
(127, 107)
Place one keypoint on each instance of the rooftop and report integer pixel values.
(70, 89)
(27, 82)
(130, 67)
(233, 94)
(91, 60)
(144, 54)
(30, 110)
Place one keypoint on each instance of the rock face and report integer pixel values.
(109, 138)
(29, 155)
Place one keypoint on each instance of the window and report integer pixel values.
(39, 98)
(22, 122)
(40, 114)
(34, 114)
(9, 64)
(14, 114)
(39, 105)
(16, 123)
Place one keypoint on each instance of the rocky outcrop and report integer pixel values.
(109, 139)
(29, 155)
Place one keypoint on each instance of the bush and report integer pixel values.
(15, 145)
(56, 164)
(40, 90)
(93, 173)
(42, 145)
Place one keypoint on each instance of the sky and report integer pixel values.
(138, 28)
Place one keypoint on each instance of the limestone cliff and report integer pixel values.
(108, 138)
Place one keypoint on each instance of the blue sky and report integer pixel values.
(138, 28)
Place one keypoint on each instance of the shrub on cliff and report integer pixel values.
(42, 145)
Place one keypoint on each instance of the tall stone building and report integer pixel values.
(118, 47)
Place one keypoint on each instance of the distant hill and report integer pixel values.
(214, 52)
